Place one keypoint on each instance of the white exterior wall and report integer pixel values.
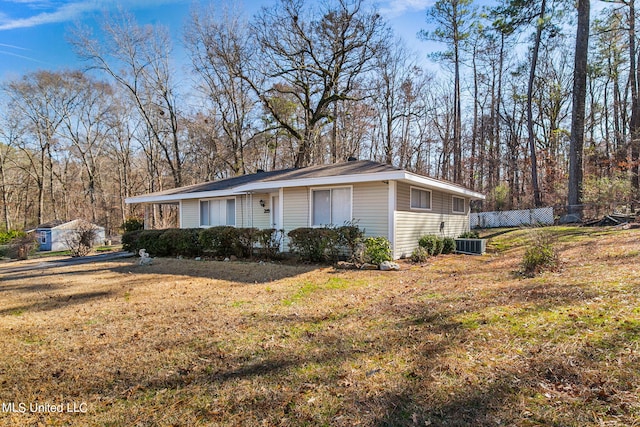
(411, 224)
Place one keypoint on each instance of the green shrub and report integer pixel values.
(433, 244)
(377, 250)
(132, 224)
(315, 244)
(150, 241)
(130, 241)
(8, 236)
(448, 245)
(419, 254)
(469, 235)
(247, 238)
(539, 256)
(221, 241)
(350, 236)
(180, 242)
(439, 246)
(270, 240)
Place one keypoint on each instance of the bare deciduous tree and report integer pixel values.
(314, 58)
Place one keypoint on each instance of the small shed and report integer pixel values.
(53, 236)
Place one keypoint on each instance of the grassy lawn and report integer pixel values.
(461, 340)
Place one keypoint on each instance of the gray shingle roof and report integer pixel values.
(347, 168)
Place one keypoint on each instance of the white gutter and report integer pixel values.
(442, 185)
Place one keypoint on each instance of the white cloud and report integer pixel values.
(395, 8)
(10, 46)
(28, 58)
(69, 11)
(64, 13)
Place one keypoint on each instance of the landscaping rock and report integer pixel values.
(367, 266)
(389, 266)
(233, 258)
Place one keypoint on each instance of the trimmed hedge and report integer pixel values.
(221, 241)
(130, 241)
(435, 245)
(269, 240)
(315, 244)
(169, 242)
(183, 242)
(312, 244)
(321, 244)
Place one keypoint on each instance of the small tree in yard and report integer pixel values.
(540, 255)
(80, 241)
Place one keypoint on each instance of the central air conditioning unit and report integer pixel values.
(471, 246)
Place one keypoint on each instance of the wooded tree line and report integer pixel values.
(304, 83)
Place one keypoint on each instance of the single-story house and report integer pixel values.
(53, 235)
(383, 200)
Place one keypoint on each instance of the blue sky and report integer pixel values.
(32, 32)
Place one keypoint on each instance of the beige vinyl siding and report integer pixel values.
(370, 208)
(295, 212)
(260, 219)
(411, 224)
(438, 199)
(296, 208)
(190, 214)
(441, 203)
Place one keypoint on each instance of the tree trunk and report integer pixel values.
(532, 139)
(578, 110)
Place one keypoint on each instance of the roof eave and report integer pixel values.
(324, 180)
(442, 185)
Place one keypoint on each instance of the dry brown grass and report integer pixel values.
(458, 341)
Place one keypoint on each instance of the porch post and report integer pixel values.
(147, 224)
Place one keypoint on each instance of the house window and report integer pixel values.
(331, 206)
(458, 205)
(43, 237)
(217, 212)
(420, 199)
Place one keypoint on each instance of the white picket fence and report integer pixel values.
(540, 216)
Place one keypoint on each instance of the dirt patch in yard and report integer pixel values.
(461, 340)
